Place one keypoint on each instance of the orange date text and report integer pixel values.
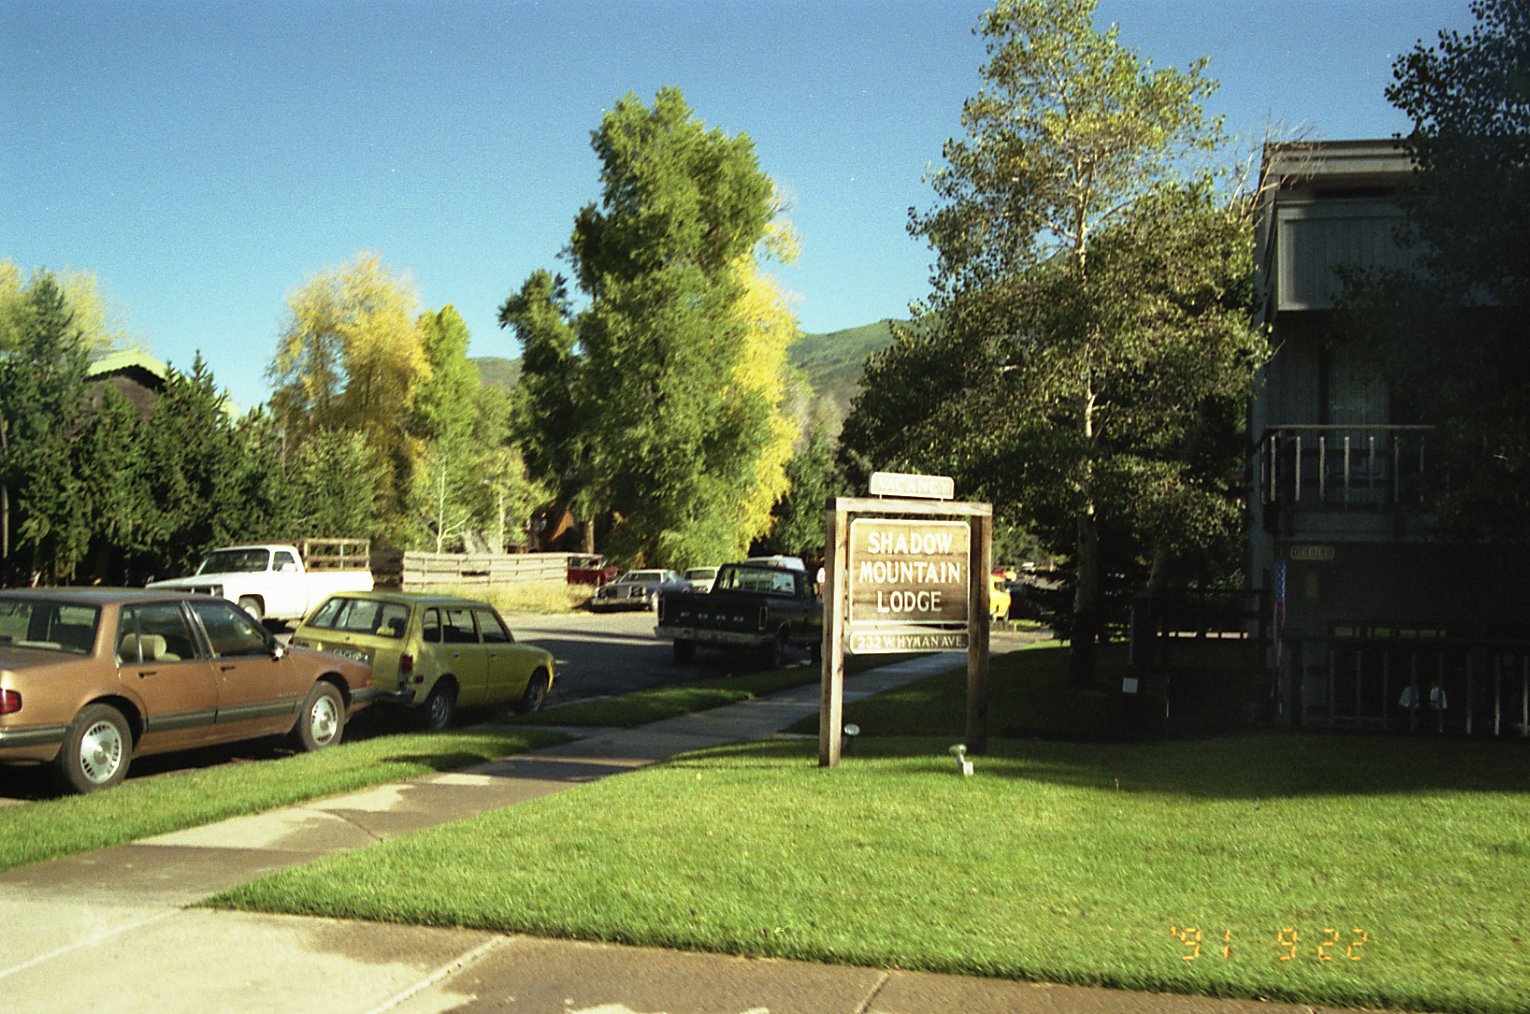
(1285, 945)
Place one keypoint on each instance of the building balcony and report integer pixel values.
(1366, 480)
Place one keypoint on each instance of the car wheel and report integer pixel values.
(684, 650)
(251, 605)
(535, 695)
(778, 650)
(97, 749)
(440, 706)
(322, 720)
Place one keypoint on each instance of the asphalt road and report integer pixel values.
(601, 654)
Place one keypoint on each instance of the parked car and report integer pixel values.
(638, 589)
(91, 678)
(272, 581)
(998, 597)
(435, 653)
(700, 578)
(590, 568)
(763, 606)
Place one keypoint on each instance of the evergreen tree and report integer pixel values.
(113, 468)
(42, 403)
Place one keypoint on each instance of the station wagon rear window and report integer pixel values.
(50, 625)
(362, 616)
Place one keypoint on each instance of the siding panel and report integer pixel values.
(1315, 241)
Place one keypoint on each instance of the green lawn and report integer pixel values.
(1078, 862)
(139, 808)
(1028, 695)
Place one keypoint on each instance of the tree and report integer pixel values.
(762, 372)
(350, 358)
(797, 519)
(202, 471)
(96, 320)
(113, 467)
(1077, 332)
(444, 403)
(335, 482)
(548, 423)
(675, 413)
(42, 401)
(1449, 332)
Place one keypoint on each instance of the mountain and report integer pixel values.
(498, 372)
(832, 362)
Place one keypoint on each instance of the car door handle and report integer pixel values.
(456, 654)
(147, 672)
(226, 668)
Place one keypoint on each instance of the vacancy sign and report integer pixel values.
(909, 582)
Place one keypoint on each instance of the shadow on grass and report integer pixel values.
(1042, 729)
(1262, 766)
(435, 761)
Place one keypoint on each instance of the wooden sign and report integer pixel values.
(929, 487)
(909, 583)
(894, 583)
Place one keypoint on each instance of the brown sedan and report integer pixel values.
(89, 677)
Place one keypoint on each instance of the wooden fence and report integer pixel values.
(334, 554)
(413, 571)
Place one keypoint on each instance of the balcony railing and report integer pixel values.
(1475, 688)
(1337, 468)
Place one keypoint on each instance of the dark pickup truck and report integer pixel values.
(751, 605)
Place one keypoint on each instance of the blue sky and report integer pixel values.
(205, 159)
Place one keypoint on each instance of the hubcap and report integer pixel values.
(323, 720)
(100, 753)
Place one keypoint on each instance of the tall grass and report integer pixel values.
(540, 597)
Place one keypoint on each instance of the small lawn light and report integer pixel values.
(963, 765)
(847, 736)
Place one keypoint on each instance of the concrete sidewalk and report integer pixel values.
(112, 929)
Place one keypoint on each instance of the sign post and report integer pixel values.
(909, 575)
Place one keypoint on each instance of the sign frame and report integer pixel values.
(837, 514)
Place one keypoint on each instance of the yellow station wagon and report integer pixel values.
(431, 652)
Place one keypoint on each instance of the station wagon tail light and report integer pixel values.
(405, 668)
(10, 702)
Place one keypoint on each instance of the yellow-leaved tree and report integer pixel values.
(770, 328)
(349, 357)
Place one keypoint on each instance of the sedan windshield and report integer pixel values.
(235, 561)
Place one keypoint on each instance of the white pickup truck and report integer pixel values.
(270, 582)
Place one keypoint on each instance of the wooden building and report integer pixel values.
(139, 376)
(1371, 604)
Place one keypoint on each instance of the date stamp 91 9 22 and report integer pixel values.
(1286, 945)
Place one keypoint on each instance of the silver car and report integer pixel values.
(637, 589)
